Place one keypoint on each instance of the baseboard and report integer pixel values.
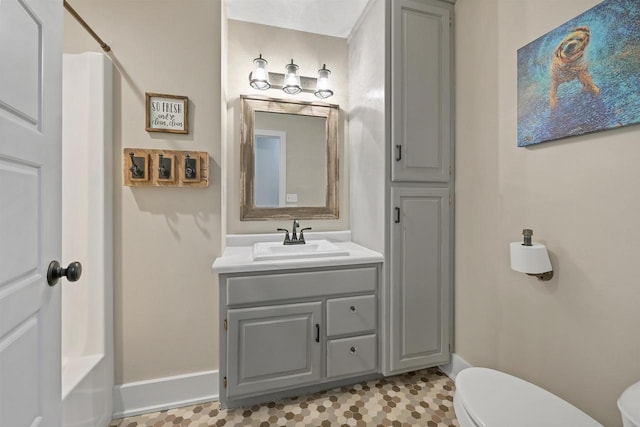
(453, 368)
(164, 393)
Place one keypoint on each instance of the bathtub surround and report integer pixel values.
(87, 227)
(576, 334)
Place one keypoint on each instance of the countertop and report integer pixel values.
(239, 259)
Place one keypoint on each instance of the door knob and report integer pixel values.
(55, 272)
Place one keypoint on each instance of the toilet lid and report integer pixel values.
(496, 399)
(629, 403)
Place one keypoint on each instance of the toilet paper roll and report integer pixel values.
(530, 259)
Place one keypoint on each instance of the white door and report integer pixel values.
(30, 206)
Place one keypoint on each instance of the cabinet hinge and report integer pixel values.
(226, 324)
(450, 199)
(449, 170)
(450, 22)
(224, 381)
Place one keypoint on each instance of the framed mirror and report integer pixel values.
(289, 159)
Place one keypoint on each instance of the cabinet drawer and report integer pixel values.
(350, 356)
(351, 315)
(273, 287)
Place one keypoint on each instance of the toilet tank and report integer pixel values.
(629, 405)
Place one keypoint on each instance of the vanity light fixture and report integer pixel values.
(323, 87)
(259, 78)
(291, 82)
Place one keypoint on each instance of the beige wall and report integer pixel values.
(165, 238)
(368, 136)
(278, 46)
(577, 334)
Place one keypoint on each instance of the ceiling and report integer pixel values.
(329, 17)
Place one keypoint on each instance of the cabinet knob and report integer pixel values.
(353, 308)
(353, 350)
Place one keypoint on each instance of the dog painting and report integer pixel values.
(582, 77)
(569, 63)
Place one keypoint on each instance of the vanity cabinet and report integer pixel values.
(299, 330)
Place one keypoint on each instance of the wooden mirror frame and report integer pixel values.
(249, 106)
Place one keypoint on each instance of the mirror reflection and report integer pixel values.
(290, 154)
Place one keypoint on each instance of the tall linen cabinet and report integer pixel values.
(401, 163)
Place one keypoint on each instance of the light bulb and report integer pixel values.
(291, 79)
(323, 86)
(259, 77)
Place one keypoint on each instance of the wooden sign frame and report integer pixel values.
(166, 113)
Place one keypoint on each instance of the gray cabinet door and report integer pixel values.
(273, 347)
(420, 278)
(421, 91)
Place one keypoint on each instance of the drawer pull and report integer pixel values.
(353, 350)
(353, 308)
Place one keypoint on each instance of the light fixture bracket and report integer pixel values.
(308, 84)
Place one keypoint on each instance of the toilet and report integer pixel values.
(488, 398)
(629, 405)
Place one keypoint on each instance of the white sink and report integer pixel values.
(264, 251)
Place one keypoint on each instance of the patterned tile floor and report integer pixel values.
(421, 398)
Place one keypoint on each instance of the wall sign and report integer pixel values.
(167, 113)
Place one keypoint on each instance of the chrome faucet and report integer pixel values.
(294, 239)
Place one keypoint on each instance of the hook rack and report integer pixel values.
(165, 168)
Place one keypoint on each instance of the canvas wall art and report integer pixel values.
(583, 76)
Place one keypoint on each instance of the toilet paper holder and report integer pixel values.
(531, 258)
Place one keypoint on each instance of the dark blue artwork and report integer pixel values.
(582, 77)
